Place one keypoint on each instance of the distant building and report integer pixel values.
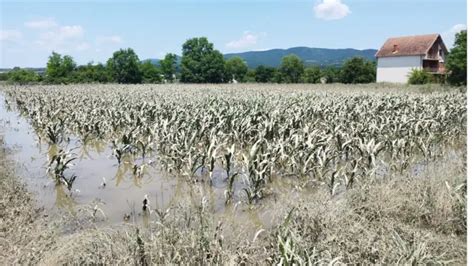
(398, 56)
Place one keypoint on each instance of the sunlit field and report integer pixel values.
(238, 173)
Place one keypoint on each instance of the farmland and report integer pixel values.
(244, 173)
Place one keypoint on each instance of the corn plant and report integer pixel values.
(321, 137)
(58, 165)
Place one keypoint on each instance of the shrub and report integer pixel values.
(358, 70)
(312, 75)
(23, 76)
(419, 76)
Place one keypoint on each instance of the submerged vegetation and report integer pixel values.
(322, 138)
(376, 173)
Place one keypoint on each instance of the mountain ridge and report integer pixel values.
(322, 57)
(311, 56)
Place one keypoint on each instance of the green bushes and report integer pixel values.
(22, 76)
(312, 75)
(419, 76)
(91, 73)
(150, 73)
(358, 70)
(264, 74)
(236, 69)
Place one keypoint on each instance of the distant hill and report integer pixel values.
(310, 56)
(154, 61)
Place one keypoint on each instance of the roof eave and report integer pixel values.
(398, 55)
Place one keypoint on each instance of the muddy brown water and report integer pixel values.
(124, 192)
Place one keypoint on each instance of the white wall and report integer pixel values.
(396, 69)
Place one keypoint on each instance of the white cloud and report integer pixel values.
(10, 35)
(62, 38)
(457, 28)
(331, 9)
(449, 35)
(247, 40)
(41, 24)
(112, 39)
(70, 32)
(83, 46)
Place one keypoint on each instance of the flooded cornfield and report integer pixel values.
(249, 155)
(115, 189)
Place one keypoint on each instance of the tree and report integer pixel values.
(250, 76)
(169, 66)
(23, 76)
(312, 75)
(4, 76)
(236, 68)
(264, 74)
(124, 66)
(150, 72)
(330, 74)
(91, 73)
(201, 63)
(456, 61)
(59, 69)
(419, 76)
(291, 69)
(358, 70)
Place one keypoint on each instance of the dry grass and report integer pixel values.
(404, 219)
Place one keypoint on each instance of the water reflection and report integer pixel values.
(129, 181)
(63, 199)
(52, 151)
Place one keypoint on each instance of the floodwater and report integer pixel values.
(123, 192)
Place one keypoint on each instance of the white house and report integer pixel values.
(398, 56)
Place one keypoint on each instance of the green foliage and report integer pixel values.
(291, 69)
(330, 74)
(277, 77)
(264, 74)
(201, 63)
(272, 58)
(358, 70)
(456, 61)
(250, 76)
(150, 72)
(419, 76)
(59, 69)
(23, 76)
(312, 75)
(169, 67)
(236, 68)
(124, 66)
(4, 76)
(91, 73)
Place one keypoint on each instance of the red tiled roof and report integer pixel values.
(407, 45)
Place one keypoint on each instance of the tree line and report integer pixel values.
(202, 63)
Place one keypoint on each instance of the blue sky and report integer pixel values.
(91, 30)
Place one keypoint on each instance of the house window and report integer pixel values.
(395, 48)
(441, 55)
